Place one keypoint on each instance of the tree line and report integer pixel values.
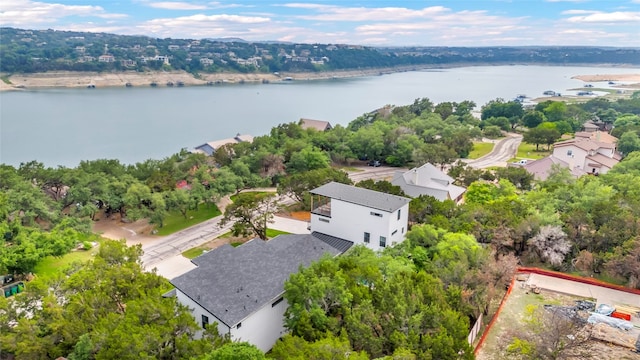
(416, 299)
(28, 51)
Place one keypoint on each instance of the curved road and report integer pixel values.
(504, 150)
(172, 245)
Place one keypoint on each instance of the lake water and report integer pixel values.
(65, 126)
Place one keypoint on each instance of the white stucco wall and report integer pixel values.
(578, 156)
(264, 327)
(197, 311)
(350, 221)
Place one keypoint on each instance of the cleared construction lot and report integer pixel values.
(605, 341)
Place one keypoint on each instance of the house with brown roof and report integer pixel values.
(590, 156)
(541, 169)
(597, 135)
(319, 125)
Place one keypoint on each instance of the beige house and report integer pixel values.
(319, 125)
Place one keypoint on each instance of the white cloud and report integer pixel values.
(578, 12)
(362, 14)
(612, 17)
(202, 26)
(218, 5)
(176, 5)
(28, 13)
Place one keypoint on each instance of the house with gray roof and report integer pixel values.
(241, 289)
(428, 180)
(363, 216)
(210, 147)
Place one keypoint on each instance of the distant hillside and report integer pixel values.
(29, 51)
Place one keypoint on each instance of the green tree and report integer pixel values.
(541, 135)
(307, 159)
(236, 351)
(298, 185)
(533, 118)
(251, 213)
(629, 142)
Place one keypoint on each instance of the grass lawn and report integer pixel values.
(52, 265)
(235, 196)
(528, 151)
(176, 222)
(480, 149)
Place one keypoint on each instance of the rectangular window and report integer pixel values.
(394, 232)
(239, 325)
(383, 241)
(367, 237)
(375, 214)
(277, 302)
(403, 229)
(205, 321)
(323, 220)
(398, 214)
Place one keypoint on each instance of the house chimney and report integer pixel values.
(415, 177)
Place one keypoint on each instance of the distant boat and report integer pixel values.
(209, 83)
(589, 86)
(91, 86)
(180, 83)
(128, 84)
(153, 84)
(288, 78)
(549, 92)
(169, 83)
(611, 83)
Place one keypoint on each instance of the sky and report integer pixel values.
(373, 22)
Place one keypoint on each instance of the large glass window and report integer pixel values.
(367, 237)
(383, 241)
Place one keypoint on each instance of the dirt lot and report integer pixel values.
(512, 318)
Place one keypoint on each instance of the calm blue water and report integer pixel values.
(62, 127)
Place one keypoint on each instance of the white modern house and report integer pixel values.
(363, 216)
(590, 156)
(241, 289)
(428, 180)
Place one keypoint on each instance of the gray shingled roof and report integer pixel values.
(232, 283)
(361, 196)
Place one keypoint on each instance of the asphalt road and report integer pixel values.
(169, 246)
(174, 244)
(504, 150)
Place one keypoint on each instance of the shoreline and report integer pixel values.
(67, 79)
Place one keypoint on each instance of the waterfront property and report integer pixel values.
(371, 218)
(319, 125)
(210, 147)
(241, 289)
(590, 152)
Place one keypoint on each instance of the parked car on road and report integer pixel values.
(374, 163)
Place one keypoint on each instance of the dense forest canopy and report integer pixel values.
(415, 299)
(28, 51)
